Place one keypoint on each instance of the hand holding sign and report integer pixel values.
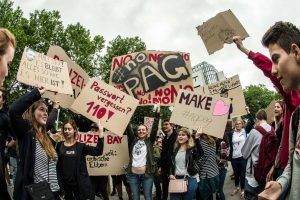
(199, 132)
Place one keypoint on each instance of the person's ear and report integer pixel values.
(295, 50)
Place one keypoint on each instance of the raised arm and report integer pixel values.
(98, 150)
(155, 125)
(16, 110)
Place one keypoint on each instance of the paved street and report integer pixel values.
(228, 188)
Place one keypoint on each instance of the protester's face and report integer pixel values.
(182, 137)
(142, 132)
(238, 125)
(278, 110)
(285, 67)
(69, 131)
(41, 114)
(1, 99)
(167, 127)
(5, 60)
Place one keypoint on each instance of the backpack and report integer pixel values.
(267, 154)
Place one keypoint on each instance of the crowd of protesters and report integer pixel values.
(156, 157)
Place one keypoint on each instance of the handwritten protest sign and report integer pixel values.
(219, 30)
(270, 111)
(38, 70)
(115, 154)
(78, 77)
(229, 88)
(99, 101)
(148, 122)
(152, 76)
(194, 109)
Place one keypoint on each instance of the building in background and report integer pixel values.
(205, 74)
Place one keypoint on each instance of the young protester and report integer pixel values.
(209, 171)
(283, 42)
(184, 156)
(291, 100)
(141, 167)
(166, 153)
(71, 163)
(38, 158)
(236, 141)
(250, 151)
(7, 51)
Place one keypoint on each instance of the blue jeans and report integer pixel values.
(222, 176)
(191, 190)
(14, 166)
(135, 181)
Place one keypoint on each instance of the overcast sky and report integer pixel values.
(171, 25)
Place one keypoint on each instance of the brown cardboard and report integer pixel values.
(99, 101)
(39, 70)
(78, 77)
(195, 109)
(219, 30)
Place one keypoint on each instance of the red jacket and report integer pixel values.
(291, 99)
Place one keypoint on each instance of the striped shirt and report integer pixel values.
(208, 163)
(41, 171)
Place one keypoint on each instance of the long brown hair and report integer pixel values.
(190, 142)
(40, 131)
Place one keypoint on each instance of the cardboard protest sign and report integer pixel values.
(194, 109)
(152, 76)
(148, 122)
(99, 101)
(78, 77)
(219, 30)
(229, 88)
(115, 154)
(270, 111)
(38, 70)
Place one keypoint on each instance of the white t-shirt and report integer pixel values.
(139, 154)
(238, 141)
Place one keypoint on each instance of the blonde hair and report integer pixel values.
(6, 39)
(40, 131)
(189, 143)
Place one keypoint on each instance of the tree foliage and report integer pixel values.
(259, 97)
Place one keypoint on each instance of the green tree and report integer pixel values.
(258, 97)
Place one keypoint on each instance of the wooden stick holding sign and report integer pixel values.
(39, 70)
(101, 101)
(78, 77)
(194, 110)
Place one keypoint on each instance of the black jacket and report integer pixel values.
(166, 153)
(82, 176)
(192, 154)
(5, 130)
(26, 141)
